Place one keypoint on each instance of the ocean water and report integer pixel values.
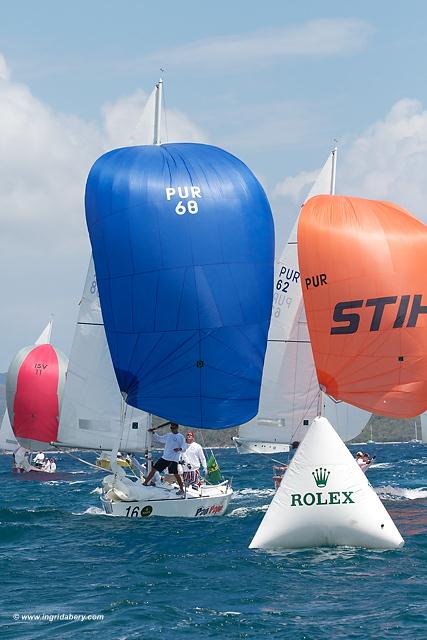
(60, 556)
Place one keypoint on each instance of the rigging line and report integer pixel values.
(89, 464)
(292, 341)
(279, 461)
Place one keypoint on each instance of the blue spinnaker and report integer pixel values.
(183, 242)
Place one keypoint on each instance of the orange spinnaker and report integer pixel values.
(363, 270)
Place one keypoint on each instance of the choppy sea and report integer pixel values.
(88, 575)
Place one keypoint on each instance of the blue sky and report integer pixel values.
(274, 83)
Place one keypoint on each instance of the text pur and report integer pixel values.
(187, 198)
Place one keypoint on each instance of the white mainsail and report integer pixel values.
(8, 442)
(44, 337)
(423, 420)
(94, 415)
(290, 396)
(92, 404)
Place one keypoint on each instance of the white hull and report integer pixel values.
(254, 446)
(213, 501)
(38, 474)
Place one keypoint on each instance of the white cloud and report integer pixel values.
(45, 157)
(387, 161)
(295, 186)
(315, 38)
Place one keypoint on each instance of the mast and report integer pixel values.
(113, 456)
(333, 171)
(334, 151)
(148, 453)
(158, 112)
(156, 141)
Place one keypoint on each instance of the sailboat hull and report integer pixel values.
(254, 446)
(214, 501)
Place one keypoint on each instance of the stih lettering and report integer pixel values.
(349, 322)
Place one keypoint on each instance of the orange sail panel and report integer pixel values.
(363, 270)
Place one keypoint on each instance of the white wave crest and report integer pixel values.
(243, 512)
(416, 461)
(92, 511)
(97, 490)
(255, 492)
(401, 493)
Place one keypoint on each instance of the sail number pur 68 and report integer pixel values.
(186, 198)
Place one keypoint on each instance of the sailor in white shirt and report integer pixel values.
(39, 459)
(193, 457)
(174, 446)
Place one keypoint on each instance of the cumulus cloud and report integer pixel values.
(317, 37)
(295, 186)
(387, 161)
(45, 157)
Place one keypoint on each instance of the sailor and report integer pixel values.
(39, 459)
(364, 460)
(174, 446)
(192, 458)
(367, 459)
(52, 465)
(359, 459)
(46, 466)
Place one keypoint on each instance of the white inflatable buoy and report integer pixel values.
(325, 500)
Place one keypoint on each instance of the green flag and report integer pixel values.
(214, 473)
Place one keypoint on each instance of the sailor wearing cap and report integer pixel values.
(192, 458)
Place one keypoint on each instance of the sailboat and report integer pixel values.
(8, 442)
(34, 388)
(368, 333)
(290, 394)
(416, 438)
(371, 436)
(183, 245)
(423, 419)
